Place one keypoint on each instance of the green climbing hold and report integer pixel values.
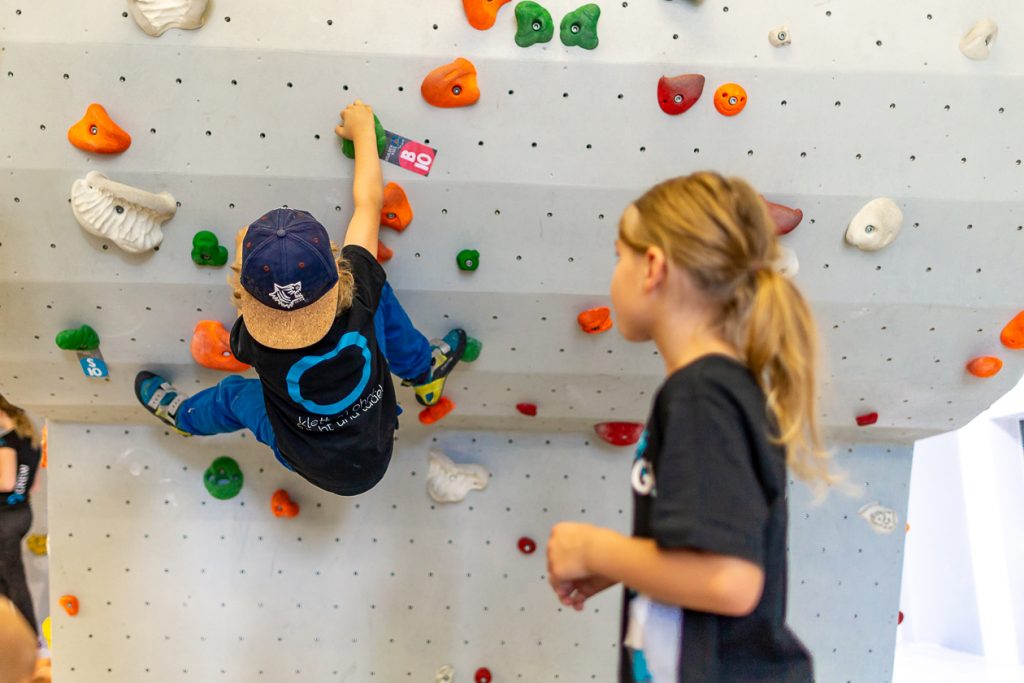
(82, 339)
(207, 250)
(348, 148)
(535, 24)
(473, 349)
(468, 259)
(579, 27)
(223, 478)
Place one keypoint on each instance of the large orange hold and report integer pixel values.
(984, 366)
(70, 604)
(384, 254)
(437, 412)
(397, 211)
(451, 85)
(482, 13)
(730, 99)
(282, 505)
(596, 320)
(1012, 335)
(96, 132)
(211, 347)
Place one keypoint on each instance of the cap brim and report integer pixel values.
(290, 329)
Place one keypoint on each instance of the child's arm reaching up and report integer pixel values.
(367, 186)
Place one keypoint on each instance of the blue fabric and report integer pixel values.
(237, 403)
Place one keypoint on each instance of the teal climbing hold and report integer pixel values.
(348, 148)
(535, 24)
(468, 259)
(207, 250)
(83, 338)
(579, 27)
(473, 349)
(223, 478)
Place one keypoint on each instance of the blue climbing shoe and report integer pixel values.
(445, 354)
(160, 398)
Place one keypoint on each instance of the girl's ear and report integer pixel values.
(655, 269)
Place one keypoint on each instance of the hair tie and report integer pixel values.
(758, 266)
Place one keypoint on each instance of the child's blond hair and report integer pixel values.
(23, 426)
(719, 230)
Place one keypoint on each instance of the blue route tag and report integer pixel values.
(92, 364)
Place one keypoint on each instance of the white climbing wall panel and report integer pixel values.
(871, 99)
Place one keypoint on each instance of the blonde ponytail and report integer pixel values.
(23, 426)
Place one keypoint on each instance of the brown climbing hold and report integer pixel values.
(211, 347)
(383, 253)
(397, 211)
(70, 604)
(437, 412)
(282, 505)
(785, 218)
(1012, 335)
(96, 132)
(482, 13)
(451, 85)
(596, 320)
(984, 366)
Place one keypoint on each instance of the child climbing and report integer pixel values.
(18, 649)
(705, 567)
(322, 329)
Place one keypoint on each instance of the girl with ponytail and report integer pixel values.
(705, 567)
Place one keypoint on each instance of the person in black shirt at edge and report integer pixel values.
(19, 462)
(705, 568)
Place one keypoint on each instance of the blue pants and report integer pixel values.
(237, 403)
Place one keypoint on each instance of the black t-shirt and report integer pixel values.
(332, 405)
(708, 478)
(26, 468)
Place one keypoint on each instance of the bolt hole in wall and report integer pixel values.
(240, 112)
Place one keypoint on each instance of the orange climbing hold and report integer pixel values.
(96, 132)
(451, 85)
(397, 211)
(985, 366)
(211, 347)
(70, 604)
(1012, 335)
(482, 13)
(282, 505)
(383, 253)
(785, 218)
(437, 412)
(730, 99)
(596, 320)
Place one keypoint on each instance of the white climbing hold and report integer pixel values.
(448, 482)
(127, 216)
(446, 674)
(978, 41)
(876, 225)
(882, 519)
(156, 16)
(787, 264)
(779, 36)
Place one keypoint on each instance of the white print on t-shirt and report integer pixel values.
(20, 486)
(336, 422)
(642, 476)
(656, 630)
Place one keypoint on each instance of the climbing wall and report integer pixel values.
(869, 100)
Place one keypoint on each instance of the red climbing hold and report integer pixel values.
(867, 419)
(1012, 335)
(596, 320)
(730, 99)
(211, 347)
(899, 619)
(383, 253)
(437, 412)
(985, 366)
(397, 211)
(482, 675)
(619, 433)
(96, 132)
(679, 93)
(527, 546)
(482, 13)
(282, 505)
(529, 409)
(785, 218)
(451, 85)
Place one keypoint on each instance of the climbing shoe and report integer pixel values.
(159, 397)
(445, 355)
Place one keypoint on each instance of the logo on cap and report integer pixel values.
(287, 296)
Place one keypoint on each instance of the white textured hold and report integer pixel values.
(127, 216)
(882, 519)
(779, 36)
(876, 225)
(446, 674)
(787, 264)
(979, 40)
(156, 16)
(448, 482)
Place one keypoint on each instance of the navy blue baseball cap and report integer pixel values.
(290, 280)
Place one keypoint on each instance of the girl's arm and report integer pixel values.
(8, 469)
(368, 183)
